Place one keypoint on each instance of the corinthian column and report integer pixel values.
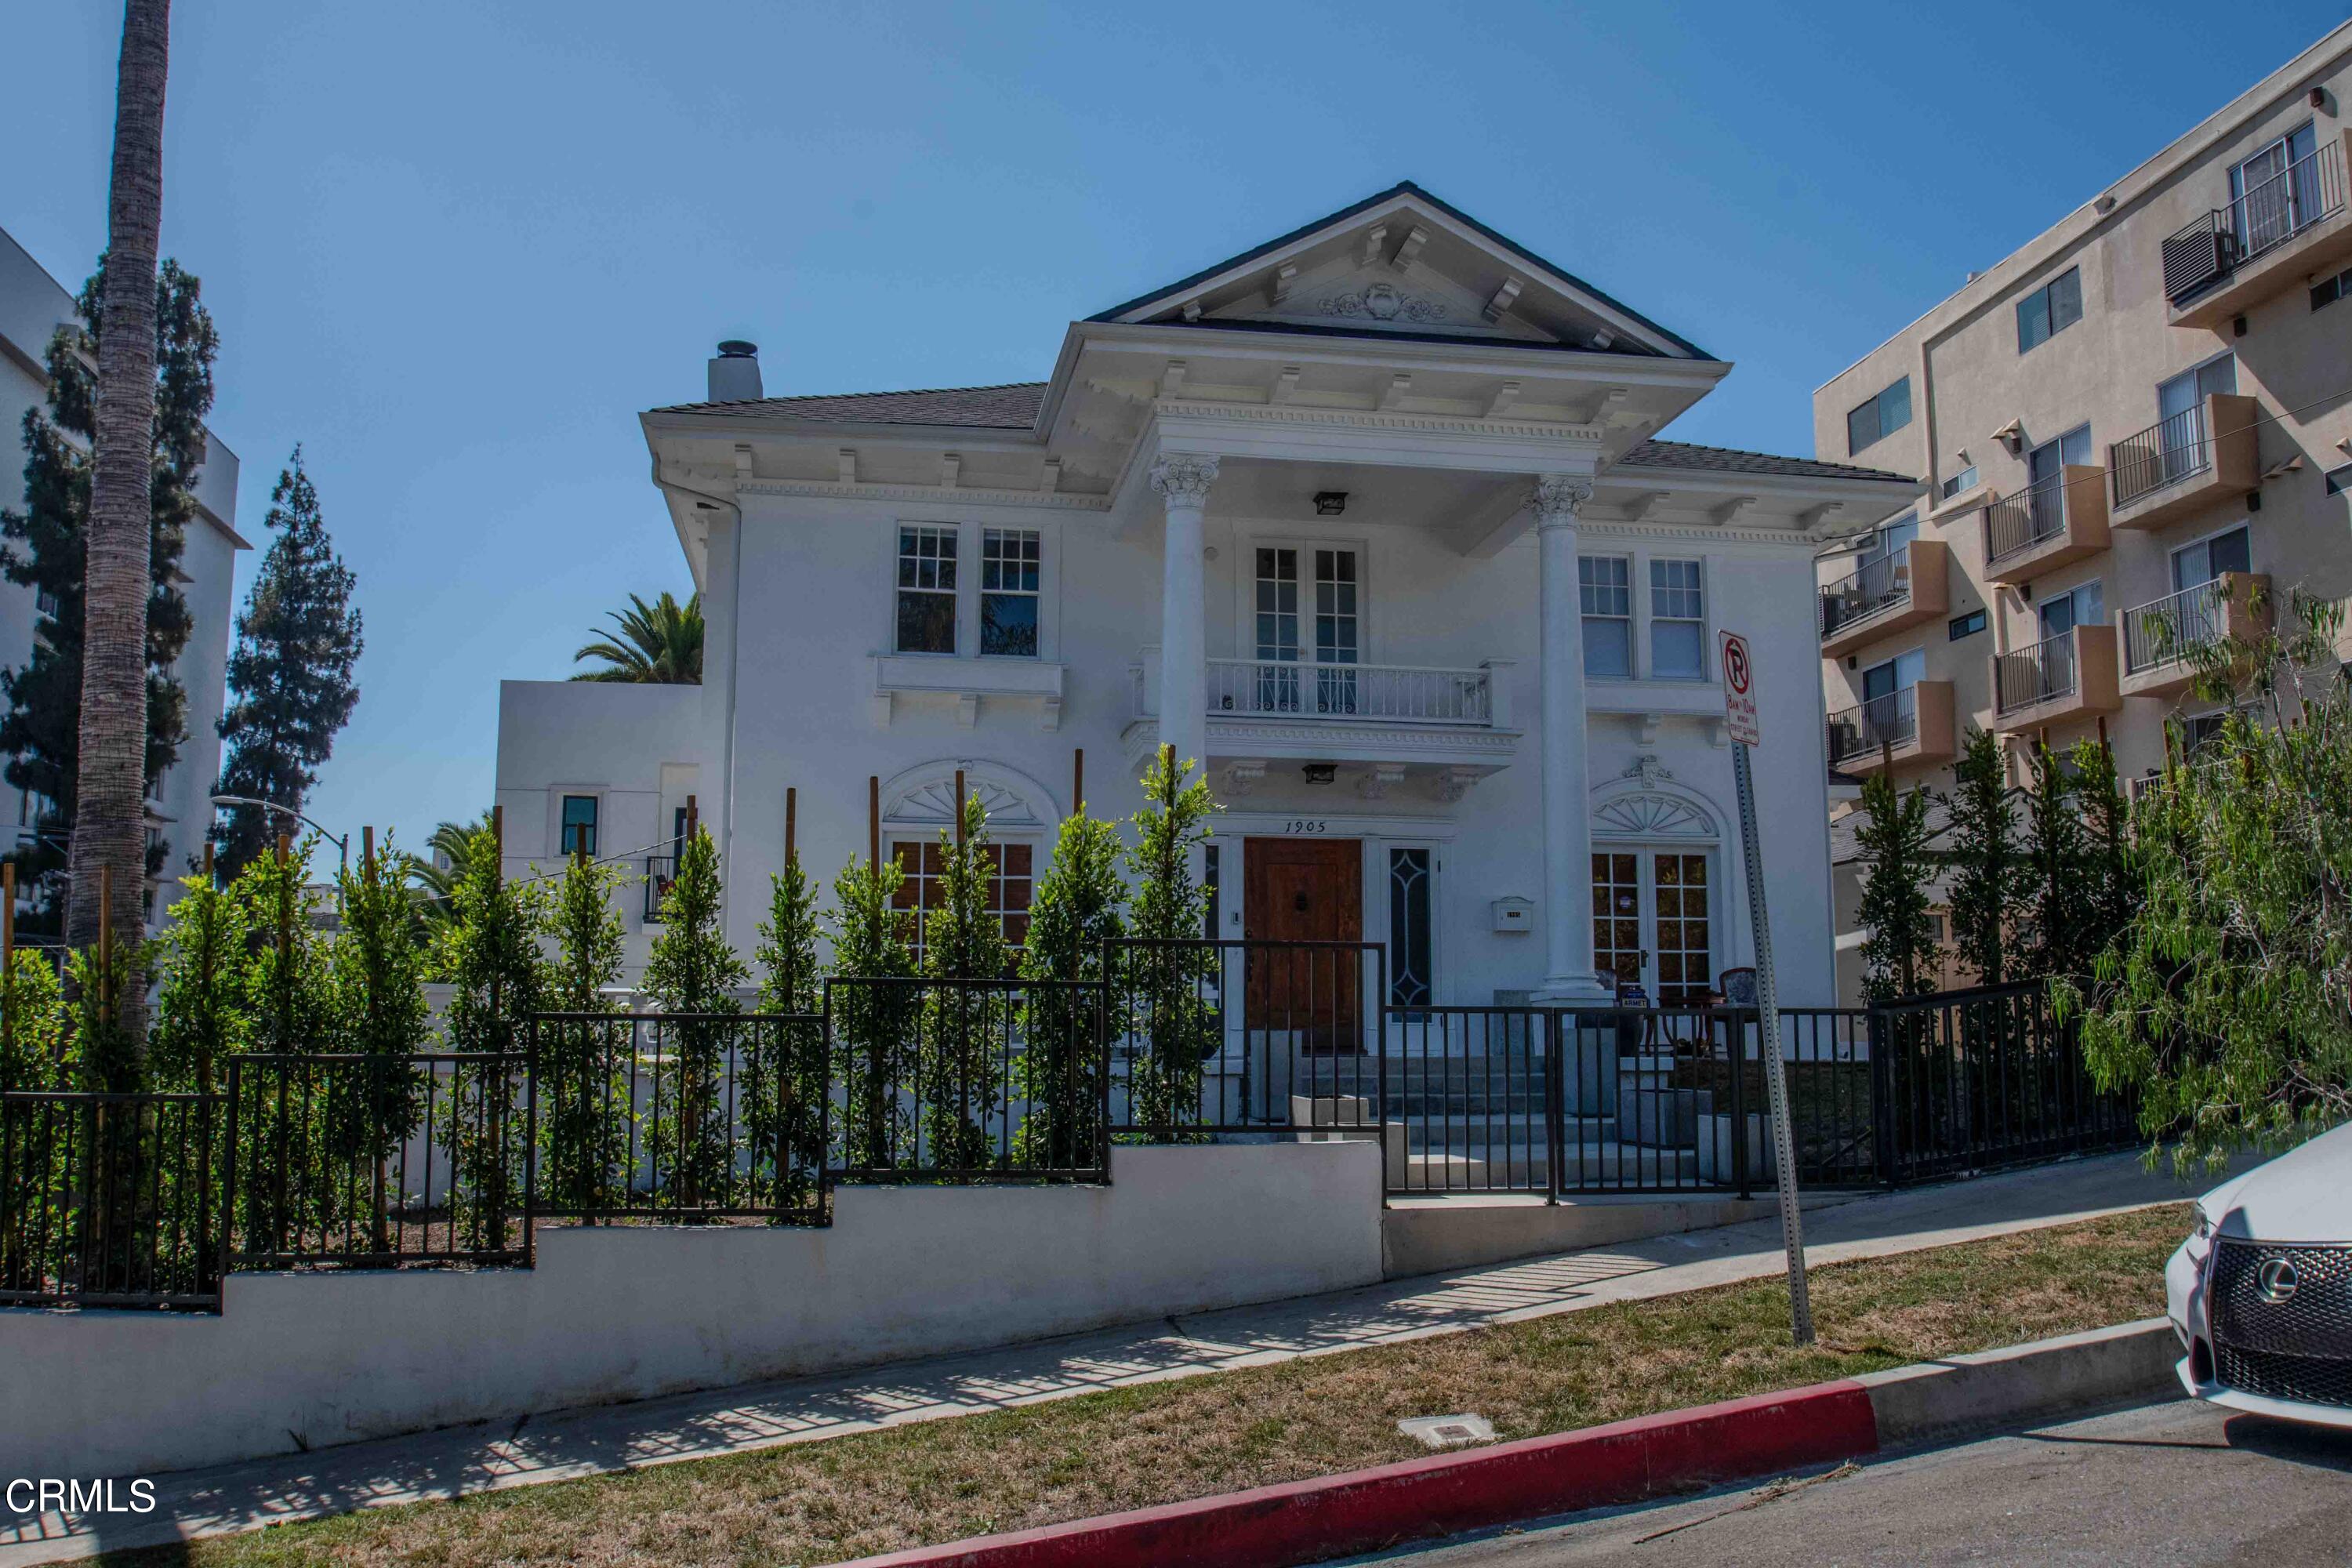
(1182, 480)
(1568, 831)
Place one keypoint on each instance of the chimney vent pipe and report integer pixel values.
(735, 373)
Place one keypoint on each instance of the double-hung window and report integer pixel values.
(2050, 310)
(1008, 592)
(927, 588)
(1677, 620)
(1880, 417)
(1605, 592)
(579, 830)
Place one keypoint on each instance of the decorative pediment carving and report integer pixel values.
(1384, 301)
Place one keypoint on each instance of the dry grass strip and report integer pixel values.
(1130, 1447)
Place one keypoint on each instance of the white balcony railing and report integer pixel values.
(1350, 693)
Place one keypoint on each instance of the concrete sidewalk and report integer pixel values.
(574, 1443)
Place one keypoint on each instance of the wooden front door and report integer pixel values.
(1305, 890)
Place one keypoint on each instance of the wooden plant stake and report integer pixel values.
(1078, 781)
(791, 826)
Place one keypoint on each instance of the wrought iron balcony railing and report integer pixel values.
(2271, 213)
(2166, 630)
(1891, 720)
(2031, 675)
(2024, 518)
(2165, 453)
(1878, 586)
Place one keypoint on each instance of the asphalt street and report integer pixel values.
(2175, 1483)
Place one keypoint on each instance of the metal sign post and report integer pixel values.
(1740, 719)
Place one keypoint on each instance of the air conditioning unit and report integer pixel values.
(2197, 257)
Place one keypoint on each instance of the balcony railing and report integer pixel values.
(2270, 214)
(2024, 518)
(1880, 585)
(2031, 675)
(2165, 453)
(2166, 630)
(1281, 689)
(660, 871)
(1892, 719)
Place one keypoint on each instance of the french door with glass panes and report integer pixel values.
(1309, 611)
(1653, 922)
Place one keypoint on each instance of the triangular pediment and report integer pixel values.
(1404, 263)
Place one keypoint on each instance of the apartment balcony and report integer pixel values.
(2047, 525)
(1431, 730)
(2199, 457)
(1891, 594)
(1910, 728)
(2161, 638)
(2070, 676)
(2263, 244)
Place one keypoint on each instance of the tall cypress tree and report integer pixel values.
(41, 731)
(290, 675)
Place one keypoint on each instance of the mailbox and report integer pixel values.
(1513, 914)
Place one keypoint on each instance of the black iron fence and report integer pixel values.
(1973, 1080)
(1223, 1037)
(437, 1159)
(376, 1160)
(685, 1117)
(1602, 1100)
(967, 1080)
(109, 1200)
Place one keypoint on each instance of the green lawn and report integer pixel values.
(1099, 1453)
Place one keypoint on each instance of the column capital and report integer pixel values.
(1558, 498)
(1183, 479)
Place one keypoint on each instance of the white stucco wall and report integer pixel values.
(623, 1314)
(815, 597)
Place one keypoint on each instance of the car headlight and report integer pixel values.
(2204, 1227)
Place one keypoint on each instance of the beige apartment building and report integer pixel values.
(2151, 399)
(2121, 430)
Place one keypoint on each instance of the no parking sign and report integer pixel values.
(1740, 691)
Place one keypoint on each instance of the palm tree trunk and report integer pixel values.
(110, 815)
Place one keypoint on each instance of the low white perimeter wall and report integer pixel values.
(617, 1313)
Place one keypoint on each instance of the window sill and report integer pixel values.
(967, 681)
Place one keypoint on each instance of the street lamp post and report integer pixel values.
(342, 844)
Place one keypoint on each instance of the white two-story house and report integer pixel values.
(1373, 519)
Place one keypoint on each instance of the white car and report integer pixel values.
(2260, 1294)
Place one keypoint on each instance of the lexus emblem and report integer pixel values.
(2276, 1280)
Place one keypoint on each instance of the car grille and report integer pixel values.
(2307, 1380)
(2300, 1348)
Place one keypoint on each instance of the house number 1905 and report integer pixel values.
(1307, 825)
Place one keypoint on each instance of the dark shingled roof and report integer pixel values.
(1731, 460)
(1013, 406)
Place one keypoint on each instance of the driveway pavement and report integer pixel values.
(567, 1444)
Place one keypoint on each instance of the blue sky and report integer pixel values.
(454, 248)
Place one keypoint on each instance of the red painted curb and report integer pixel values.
(1363, 1510)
